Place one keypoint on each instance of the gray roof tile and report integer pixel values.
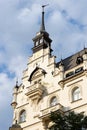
(70, 62)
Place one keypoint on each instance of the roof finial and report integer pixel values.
(42, 24)
(85, 48)
(16, 83)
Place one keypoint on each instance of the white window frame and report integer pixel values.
(22, 116)
(53, 101)
(76, 94)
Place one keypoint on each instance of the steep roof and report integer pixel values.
(71, 61)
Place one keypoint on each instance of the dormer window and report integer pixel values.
(79, 60)
(78, 70)
(69, 74)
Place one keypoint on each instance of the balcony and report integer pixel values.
(35, 91)
(46, 112)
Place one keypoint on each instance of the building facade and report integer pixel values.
(49, 86)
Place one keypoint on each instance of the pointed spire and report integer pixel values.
(17, 83)
(85, 50)
(61, 62)
(42, 28)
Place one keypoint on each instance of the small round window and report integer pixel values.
(53, 101)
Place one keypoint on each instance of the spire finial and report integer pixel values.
(85, 48)
(43, 7)
(42, 24)
(16, 83)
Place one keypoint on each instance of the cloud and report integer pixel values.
(69, 27)
(6, 85)
(66, 22)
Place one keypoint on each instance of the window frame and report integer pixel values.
(76, 94)
(22, 116)
(53, 102)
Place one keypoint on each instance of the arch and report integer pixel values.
(22, 116)
(72, 89)
(37, 71)
(52, 99)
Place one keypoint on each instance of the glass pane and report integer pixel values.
(53, 101)
(76, 94)
(23, 116)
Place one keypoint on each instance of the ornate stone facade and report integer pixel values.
(49, 86)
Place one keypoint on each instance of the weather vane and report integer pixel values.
(44, 6)
(42, 28)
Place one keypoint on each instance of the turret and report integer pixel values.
(42, 39)
(15, 126)
(15, 90)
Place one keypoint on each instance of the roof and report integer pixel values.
(36, 69)
(71, 61)
(16, 125)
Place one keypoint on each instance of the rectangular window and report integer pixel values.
(79, 70)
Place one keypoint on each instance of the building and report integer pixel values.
(49, 86)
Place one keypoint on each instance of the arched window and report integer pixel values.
(53, 101)
(22, 116)
(76, 94)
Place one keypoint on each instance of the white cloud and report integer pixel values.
(17, 65)
(5, 87)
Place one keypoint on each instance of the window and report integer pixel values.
(76, 94)
(37, 43)
(78, 70)
(22, 117)
(41, 40)
(70, 74)
(79, 60)
(53, 101)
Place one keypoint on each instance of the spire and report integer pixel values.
(42, 28)
(61, 62)
(42, 39)
(16, 86)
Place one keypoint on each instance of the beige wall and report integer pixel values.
(37, 109)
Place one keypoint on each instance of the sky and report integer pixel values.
(65, 21)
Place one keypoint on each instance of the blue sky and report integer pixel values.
(66, 22)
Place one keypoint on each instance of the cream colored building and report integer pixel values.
(49, 86)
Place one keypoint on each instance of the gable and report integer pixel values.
(38, 72)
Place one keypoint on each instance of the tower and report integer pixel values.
(48, 85)
(42, 40)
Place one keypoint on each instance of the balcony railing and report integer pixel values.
(35, 91)
(34, 87)
(47, 111)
